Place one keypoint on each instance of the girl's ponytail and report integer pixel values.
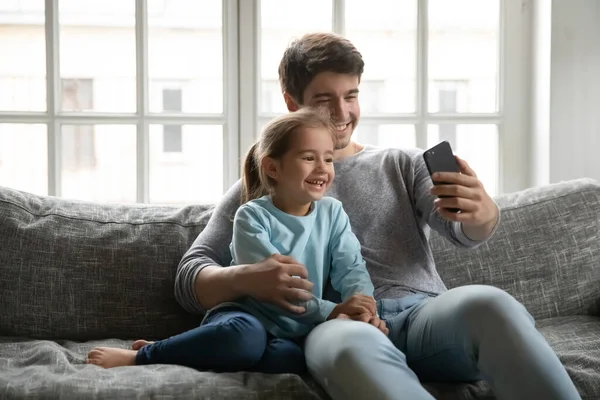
(252, 186)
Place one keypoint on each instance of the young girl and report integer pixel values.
(284, 211)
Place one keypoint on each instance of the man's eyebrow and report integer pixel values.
(326, 94)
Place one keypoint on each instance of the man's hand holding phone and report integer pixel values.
(466, 192)
(461, 189)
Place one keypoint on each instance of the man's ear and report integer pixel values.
(271, 167)
(291, 104)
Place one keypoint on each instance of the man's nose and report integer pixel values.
(339, 110)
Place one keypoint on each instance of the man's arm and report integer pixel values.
(479, 216)
(201, 283)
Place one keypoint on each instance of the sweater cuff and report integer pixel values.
(325, 309)
(467, 241)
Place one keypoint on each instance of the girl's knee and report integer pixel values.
(246, 337)
(294, 361)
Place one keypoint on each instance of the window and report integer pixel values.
(172, 139)
(448, 94)
(131, 100)
(78, 141)
(271, 97)
(99, 118)
(432, 71)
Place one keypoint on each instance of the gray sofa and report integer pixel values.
(74, 275)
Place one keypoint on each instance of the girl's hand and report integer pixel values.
(379, 324)
(375, 321)
(358, 307)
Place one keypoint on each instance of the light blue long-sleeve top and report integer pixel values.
(322, 241)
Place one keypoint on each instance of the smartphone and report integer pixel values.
(440, 158)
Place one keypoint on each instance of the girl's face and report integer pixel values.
(305, 172)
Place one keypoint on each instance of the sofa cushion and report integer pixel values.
(42, 369)
(546, 251)
(39, 369)
(78, 270)
(576, 341)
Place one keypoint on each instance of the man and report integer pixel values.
(464, 334)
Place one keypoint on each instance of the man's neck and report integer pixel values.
(347, 151)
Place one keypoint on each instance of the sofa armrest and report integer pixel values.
(546, 251)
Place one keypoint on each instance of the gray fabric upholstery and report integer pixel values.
(546, 251)
(39, 369)
(76, 270)
(74, 275)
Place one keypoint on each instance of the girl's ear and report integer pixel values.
(271, 167)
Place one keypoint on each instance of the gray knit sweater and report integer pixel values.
(385, 192)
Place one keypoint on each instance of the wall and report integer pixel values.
(574, 142)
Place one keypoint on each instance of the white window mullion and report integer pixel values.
(339, 16)
(422, 73)
(249, 71)
(53, 97)
(142, 138)
(231, 67)
(515, 59)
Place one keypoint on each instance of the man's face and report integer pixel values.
(339, 94)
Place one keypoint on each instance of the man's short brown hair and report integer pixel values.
(312, 54)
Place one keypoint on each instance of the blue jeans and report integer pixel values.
(229, 340)
(463, 335)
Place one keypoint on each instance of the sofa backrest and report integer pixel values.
(81, 271)
(546, 251)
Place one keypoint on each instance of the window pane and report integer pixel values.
(476, 144)
(281, 22)
(384, 31)
(98, 163)
(24, 157)
(190, 173)
(463, 55)
(97, 46)
(262, 122)
(388, 135)
(23, 56)
(185, 54)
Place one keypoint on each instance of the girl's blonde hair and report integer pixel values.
(275, 142)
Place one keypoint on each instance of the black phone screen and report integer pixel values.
(440, 158)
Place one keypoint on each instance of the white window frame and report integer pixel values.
(513, 64)
(241, 90)
(53, 117)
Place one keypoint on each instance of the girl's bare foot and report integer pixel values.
(138, 344)
(111, 357)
